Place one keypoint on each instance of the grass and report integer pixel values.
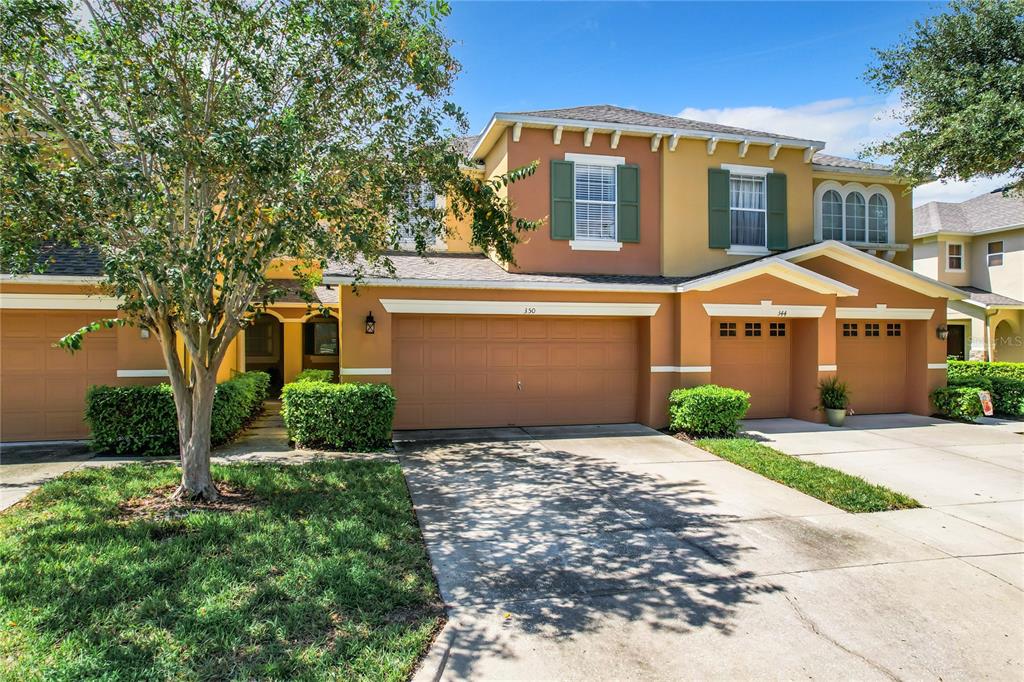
(326, 577)
(829, 485)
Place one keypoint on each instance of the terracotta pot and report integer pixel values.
(835, 417)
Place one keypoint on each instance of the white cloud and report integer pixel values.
(846, 125)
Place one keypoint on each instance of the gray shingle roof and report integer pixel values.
(479, 268)
(71, 261)
(607, 113)
(985, 212)
(841, 162)
(466, 144)
(291, 288)
(988, 298)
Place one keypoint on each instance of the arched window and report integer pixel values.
(878, 219)
(832, 215)
(856, 230)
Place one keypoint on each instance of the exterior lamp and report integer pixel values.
(942, 331)
(371, 324)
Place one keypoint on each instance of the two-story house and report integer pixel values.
(978, 246)
(674, 253)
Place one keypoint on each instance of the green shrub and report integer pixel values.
(967, 368)
(957, 402)
(833, 394)
(1008, 396)
(322, 375)
(1004, 379)
(707, 410)
(141, 420)
(350, 416)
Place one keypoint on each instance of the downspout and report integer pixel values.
(989, 354)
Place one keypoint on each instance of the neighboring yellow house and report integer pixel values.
(978, 246)
(673, 253)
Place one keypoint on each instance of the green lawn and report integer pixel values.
(325, 577)
(829, 485)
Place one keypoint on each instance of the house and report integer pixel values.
(977, 246)
(675, 253)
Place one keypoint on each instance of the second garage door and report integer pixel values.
(753, 355)
(872, 360)
(460, 371)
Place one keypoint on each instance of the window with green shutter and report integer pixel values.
(778, 229)
(628, 209)
(562, 200)
(718, 208)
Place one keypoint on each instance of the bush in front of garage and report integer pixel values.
(350, 416)
(1005, 381)
(321, 375)
(707, 410)
(141, 420)
(957, 402)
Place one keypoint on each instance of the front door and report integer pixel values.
(955, 341)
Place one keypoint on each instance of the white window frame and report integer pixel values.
(962, 255)
(1001, 253)
(407, 243)
(593, 244)
(749, 172)
(844, 190)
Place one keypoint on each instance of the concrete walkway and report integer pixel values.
(622, 553)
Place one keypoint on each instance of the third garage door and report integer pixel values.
(753, 355)
(459, 371)
(872, 360)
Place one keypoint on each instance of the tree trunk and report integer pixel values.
(194, 440)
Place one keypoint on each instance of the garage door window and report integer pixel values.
(871, 329)
(776, 329)
(849, 329)
(727, 329)
(894, 329)
(752, 329)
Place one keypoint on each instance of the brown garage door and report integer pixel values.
(872, 360)
(753, 355)
(460, 371)
(43, 388)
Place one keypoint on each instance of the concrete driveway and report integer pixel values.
(622, 553)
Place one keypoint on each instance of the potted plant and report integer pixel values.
(834, 397)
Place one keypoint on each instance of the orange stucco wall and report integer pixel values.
(532, 200)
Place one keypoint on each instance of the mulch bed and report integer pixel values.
(160, 506)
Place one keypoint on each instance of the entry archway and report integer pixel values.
(264, 349)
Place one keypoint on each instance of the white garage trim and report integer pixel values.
(59, 301)
(681, 370)
(884, 313)
(366, 371)
(526, 308)
(140, 373)
(762, 310)
(828, 368)
(937, 365)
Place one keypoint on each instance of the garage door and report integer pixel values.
(461, 371)
(43, 388)
(753, 355)
(872, 360)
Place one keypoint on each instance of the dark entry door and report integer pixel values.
(955, 342)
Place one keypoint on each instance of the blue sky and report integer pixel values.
(794, 68)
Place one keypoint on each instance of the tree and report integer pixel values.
(191, 142)
(960, 77)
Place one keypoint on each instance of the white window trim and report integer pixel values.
(141, 373)
(418, 306)
(596, 160)
(595, 244)
(845, 189)
(1001, 253)
(746, 170)
(962, 256)
(744, 250)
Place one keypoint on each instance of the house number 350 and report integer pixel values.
(529, 311)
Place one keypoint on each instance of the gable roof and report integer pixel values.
(985, 213)
(823, 162)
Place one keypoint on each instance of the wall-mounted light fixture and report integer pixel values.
(371, 324)
(143, 332)
(942, 331)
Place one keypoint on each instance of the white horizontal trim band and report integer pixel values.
(526, 308)
(828, 368)
(366, 371)
(762, 310)
(594, 245)
(596, 159)
(503, 285)
(51, 279)
(58, 301)
(937, 365)
(682, 370)
(140, 373)
(884, 313)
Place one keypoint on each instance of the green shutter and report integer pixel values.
(562, 200)
(627, 183)
(778, 229)
(718, 209)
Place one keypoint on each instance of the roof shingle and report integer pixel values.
(985, 212)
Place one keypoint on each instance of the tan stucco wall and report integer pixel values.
(531, 199)
(1006, 279)
(685, 202)
(926, 258)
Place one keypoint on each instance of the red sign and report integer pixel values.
(986, 403)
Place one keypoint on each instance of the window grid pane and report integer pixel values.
(956, 257)
(776, 329)
(871, 329)
(752, 329)
(893, 329)
(878, 219)
(855, 218)
(832, 215)
(727, 329)
(849, 329)
(595, 201)
(995, 253)
(747, 215)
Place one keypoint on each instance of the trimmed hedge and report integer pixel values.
(349, 416)
(1005, 380)
(141, 420)
(322, 375)
(707, 410)
(957, 402)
